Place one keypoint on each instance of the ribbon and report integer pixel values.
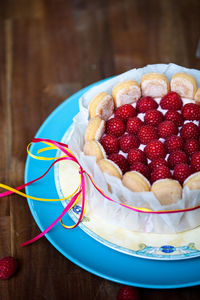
(80, 192)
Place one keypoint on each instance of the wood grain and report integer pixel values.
(49, 49)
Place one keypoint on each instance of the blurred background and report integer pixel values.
(49, 49)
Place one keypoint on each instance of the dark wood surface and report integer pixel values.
(49, 50)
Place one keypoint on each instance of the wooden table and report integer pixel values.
(49, 50)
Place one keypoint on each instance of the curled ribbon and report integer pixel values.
(80, 191)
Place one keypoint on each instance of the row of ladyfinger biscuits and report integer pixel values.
(152, 84)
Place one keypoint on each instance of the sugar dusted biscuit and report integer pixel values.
(154, 85)
(184, 84)
(95, 129)
(126, 92)
(109, 167)
(167, 191)
(94, 148)
(102, 105)
(197, 96)
(135, 182)
(193, 181)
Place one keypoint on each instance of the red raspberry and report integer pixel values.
(177, 157)
(141, 168)
(191, 146)
(136, 155)
(161, 172)
(128, 142)
(110, 144)
(115, 126)
(189, 131)
(155, 149)
(128, 293)
(146, 103)
(191, 111)
(166, 129)
(157, 163)
(8, 266)
(125, 111)
(147, 133)
(120, 160)
(174, 116)
(195, 161)
(153, 117)
(133, 125)
(181, 172)
(173, 143)
(171, 101)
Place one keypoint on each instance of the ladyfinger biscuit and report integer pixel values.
(135, 182)
(126, 92)
(197, 96)
(154, 85)
(109, 167)
(184, 84)
(94, 148)
(102, 105)
(95, 129)
(193, 181)
(167, 191)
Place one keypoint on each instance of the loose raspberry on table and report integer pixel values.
(174, 116)
(136, 155)
(181, 172)
(189, 131)
(191, 146)
(157, 163)
(173, 143)
(171, 101)
(147, 133)
(115, 126)
(141, 168)
(8, 266)
(128, 142)
(128, 293)
(161, 172)
(155, 149)
(153, 117)
(110, 143)
(125, 111)
(195, 161)
(133, 125)
(120, 160)
(166, 129)
(176, 158)
(146, 103)
(191, 111)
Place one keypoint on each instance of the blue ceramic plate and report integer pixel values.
(79, 247)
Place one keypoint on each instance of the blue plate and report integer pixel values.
(79, 247)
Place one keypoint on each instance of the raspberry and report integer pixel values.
(146, 103)
(157, 163)
(174, 116)
(171, 101)
(133, 125)
(155, 149)
(136, 155)
(191, 146)
(120, 160)
(153, 117)
(125, 111)
(147, 133)
(177, 157)
(128, 142)
(173, 143)
(128, 293)
(8, 266)
(189, 131)
(141, 168)
(115, 126)
(110, 144)
(181, 172)
(160, 172)
(166, 129)
(195, 161)
(191, 111)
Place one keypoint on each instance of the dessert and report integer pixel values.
(102, 106)
(197, 96)
(136, 182)
(184, 84)
(167, 191)
(154, 85)
(193, 181)
(95, 129)
(126, 92)
(109, 167)
(94, 148)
